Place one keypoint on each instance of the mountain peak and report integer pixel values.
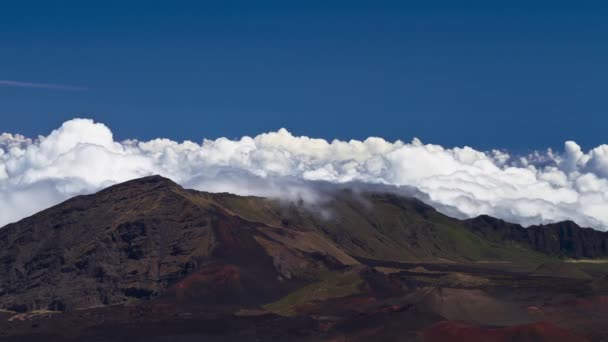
(154, 179)
(148, 183)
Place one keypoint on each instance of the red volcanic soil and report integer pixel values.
(534, 332)
(210, 280)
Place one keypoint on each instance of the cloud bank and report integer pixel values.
(82, 157)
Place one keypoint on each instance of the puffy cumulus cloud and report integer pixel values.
(82, 156)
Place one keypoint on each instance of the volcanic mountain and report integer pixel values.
(136, 239)
(353, 265)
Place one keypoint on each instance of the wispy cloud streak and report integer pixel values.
(19, 84)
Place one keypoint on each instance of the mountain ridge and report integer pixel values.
(139, 239)
(564, 239)
(150, 260)
(128, 241)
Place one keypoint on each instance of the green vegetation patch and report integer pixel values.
(561, 270)
(336, 285)
(595, 268)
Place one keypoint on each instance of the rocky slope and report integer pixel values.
(137, 239)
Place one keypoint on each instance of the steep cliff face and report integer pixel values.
(564, 239)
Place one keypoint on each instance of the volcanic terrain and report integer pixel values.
(149, 260)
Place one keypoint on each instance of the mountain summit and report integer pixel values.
(138, 239)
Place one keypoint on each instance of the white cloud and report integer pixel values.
(81, 157)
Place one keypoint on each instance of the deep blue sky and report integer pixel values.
(510, 75)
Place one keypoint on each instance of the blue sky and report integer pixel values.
(515, 75)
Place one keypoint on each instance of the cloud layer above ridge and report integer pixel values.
(82, 157)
